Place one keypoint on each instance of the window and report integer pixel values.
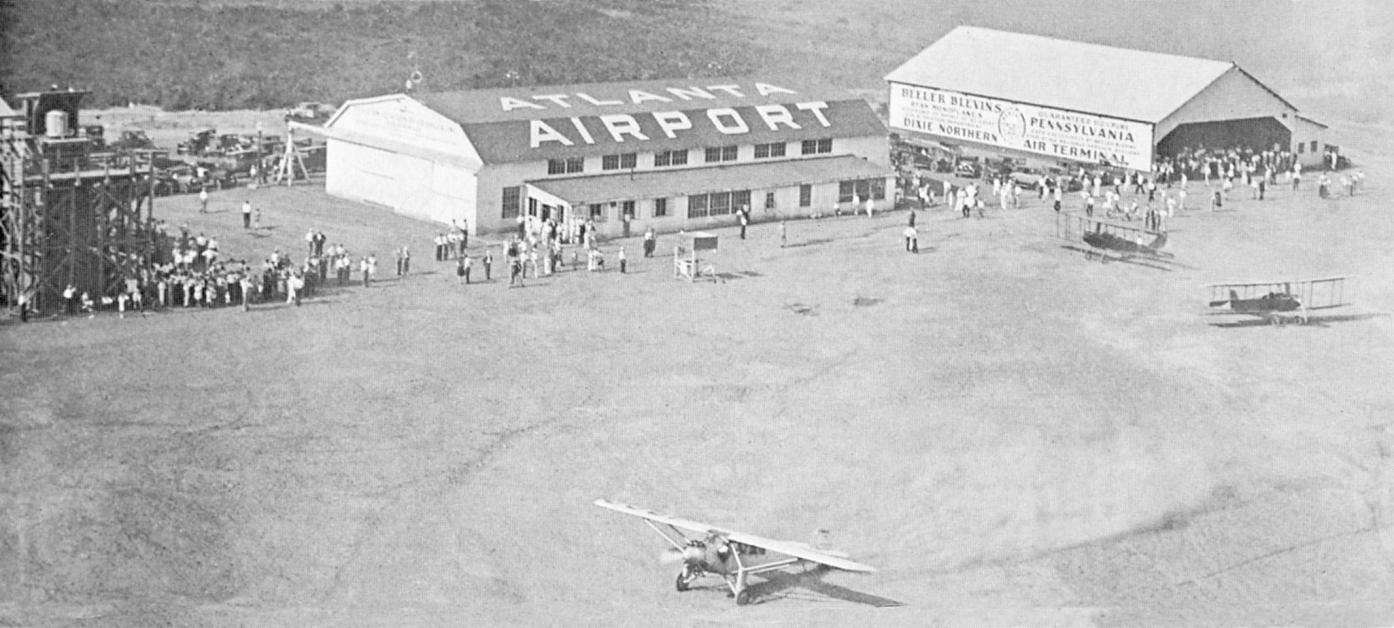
(817, 147)
(660, 207)
(769, 200)
(716, 203)
(805, 196)
(765, 151)
(720, 153)
(1314, 146)
(739, 199)
(1300, 146)
(556, 166)
(627, 210)
(697, 206)
(532, 206)
(575, 164)
(670, 158)
(622, 160)
(511, 196)
(862, 189)
(597, 212)
(845, 190)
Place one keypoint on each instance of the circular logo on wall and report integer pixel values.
(1011, 123)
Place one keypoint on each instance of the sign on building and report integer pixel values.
(1055, 133)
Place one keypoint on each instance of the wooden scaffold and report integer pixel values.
(70, 216)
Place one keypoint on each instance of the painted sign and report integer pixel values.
(724, 120)
(1066, 135)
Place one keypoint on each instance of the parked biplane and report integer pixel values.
(1113, 242)
(1278, 301)
(733, 556)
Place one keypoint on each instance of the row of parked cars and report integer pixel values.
(943, 161)
(173, 176)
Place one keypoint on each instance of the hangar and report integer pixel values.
(677, 154)
(1087, 103)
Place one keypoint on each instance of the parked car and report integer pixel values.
(968, 169)
(311, 111)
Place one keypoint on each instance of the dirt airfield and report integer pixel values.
(1013, 435)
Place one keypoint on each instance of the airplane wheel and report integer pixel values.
(682, 581)
(743, 597)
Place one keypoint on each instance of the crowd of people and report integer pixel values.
(189, 271)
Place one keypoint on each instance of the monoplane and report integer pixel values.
(1113, 242)
(1278, 301)
(732, 556)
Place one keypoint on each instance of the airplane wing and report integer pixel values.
(793, 549)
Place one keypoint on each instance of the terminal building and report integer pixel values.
(1064, 101)
(676, 154)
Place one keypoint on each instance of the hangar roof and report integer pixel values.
(524, 123)
(594, 99)
(507, 142)
(1087, 78)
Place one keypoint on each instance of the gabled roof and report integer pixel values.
(6, 111)
(555, 101)
(1087, 78)
(508, 141)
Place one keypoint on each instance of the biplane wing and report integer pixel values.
(1112, 241)
(801, 551)
(1278, 300)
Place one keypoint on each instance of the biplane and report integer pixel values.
(1113, 242)
(1278, 301)
(733, 556)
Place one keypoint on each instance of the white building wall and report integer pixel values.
(394, 152)
(1233, 96)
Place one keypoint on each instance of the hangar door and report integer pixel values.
(394, 180)
(1256, 133)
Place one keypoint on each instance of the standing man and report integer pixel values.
(912, 240)
(622, 260)
(406, 259)
(488, 264)
(203, 200)
(744, 218)
(783, 233)
(70, 297)
(246, 214)
(649, 242)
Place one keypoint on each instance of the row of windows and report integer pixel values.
(766, 151)
(717, 203)
(714, 204)
(571, 165)
(721, 153)
(622, 160)
(861, 189)
(670, 158)
(712, 154)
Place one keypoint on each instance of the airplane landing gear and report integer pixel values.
(743, 597)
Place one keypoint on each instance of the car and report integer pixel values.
(968, 169)
(311, 110)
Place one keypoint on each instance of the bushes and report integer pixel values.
(255, 56)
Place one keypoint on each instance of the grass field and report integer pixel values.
(1011, 433)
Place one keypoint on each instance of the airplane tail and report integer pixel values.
(1233, 296)
(1159, 242)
